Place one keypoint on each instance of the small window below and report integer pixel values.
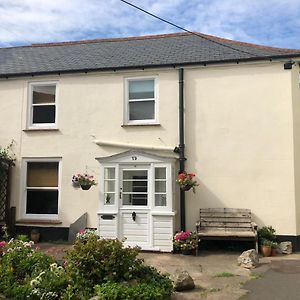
(42, 190)
(43, 104)
(160, 187)
(141, 101)
(109, 186)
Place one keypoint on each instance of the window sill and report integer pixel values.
(40, 222)
(141, 124)
(41, 129)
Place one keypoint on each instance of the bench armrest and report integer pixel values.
(254, 226)
(198, 226)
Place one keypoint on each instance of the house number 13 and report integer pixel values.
(133, 158)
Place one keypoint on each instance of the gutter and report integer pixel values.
(181, 146)
(142, 67)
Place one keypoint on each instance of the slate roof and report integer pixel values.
(176, 49)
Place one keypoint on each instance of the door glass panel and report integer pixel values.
(160, 200)
(109, 173)
(160, 173)
(135, 187)
(160, 186)
(109, 185)
(109, 198)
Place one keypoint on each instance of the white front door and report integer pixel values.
(134, 222)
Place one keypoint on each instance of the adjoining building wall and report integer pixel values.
(239, 137)
(296, 118)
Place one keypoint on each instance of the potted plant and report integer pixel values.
(185, 242)
(274, 248)
(266, 247)
(85, 181)
(35, 235)
(186, 181)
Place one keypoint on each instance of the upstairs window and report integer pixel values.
(141, 101)
(43, 104)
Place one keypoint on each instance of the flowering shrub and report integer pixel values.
(49, 284)
(83, 179)
(86, 234)
(186, 181)
(18, 263)
(185, 240)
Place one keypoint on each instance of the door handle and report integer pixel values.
(133, 215)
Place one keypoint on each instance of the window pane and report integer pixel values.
(43, 114)
(109, 186)
(42, 202)
(143, 110)
(109, 173)
(141, 89)
(135, 186)
(135, 174)
(160, 200)
(135, 199)
(109, 198)
(42, 174)
(43, 94)
(160, 186)
(160, 173)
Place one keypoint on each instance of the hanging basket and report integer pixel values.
(186, 187)
(85, 187)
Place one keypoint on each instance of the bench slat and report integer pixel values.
(225, 224)
(233, 210)
(224, 219)
(225, 214)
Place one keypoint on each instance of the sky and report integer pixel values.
(266, 22)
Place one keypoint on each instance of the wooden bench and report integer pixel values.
(226, 223)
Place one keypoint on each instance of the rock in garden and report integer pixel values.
(183, 281)
(248, 259)
(285, 247)
(95, 298)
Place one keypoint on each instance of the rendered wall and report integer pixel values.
(239, 136)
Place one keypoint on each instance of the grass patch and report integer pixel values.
(225, 274)
(214, 290)
(256, 276)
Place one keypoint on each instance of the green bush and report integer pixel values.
(95, 261)
(266, 233)
(122, 291)
(19, 262)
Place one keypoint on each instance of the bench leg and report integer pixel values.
(256, 246)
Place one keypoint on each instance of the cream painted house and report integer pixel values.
(111, 108)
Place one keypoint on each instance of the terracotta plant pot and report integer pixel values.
(35, 237)
(85, 187)
(266, 250)
(274, 252)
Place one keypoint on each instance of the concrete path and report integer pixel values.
(278, 278)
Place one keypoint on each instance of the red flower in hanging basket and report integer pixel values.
(186, 181)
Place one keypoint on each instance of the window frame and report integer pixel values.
(127, 121)
(30, 124)
(26, 215)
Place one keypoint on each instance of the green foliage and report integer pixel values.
(7, 155)
(225, 274)
(97, 261)
(19, 262)
(49, 284)
(22, 237)
(266, 233)
(123, 291)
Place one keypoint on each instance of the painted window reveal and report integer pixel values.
(141, 100)
(42, 188)
(109, 186)
(135, 187)
(160, 187)
(43, 104)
